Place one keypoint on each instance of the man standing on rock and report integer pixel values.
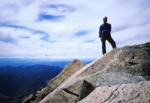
(104, 34)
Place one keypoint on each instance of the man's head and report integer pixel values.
(105, 20)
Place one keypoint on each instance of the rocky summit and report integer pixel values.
(120, 76)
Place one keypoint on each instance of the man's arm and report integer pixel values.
(100, 32)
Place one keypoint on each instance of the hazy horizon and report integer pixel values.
(32, 61)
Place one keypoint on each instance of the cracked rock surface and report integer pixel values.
(125, 93)
(120, 76)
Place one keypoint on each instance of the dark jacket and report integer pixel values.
(104, 29)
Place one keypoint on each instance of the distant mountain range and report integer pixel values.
(25, 79)
(20, 77)
(30, 62)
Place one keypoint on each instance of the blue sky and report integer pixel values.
(69, 28)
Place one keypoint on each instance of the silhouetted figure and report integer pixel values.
(105, 34)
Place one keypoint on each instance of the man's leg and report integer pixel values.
(103, 45)
(111, 41)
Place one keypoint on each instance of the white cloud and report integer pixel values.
(10, 8)
(129, 19)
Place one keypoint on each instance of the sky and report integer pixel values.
(69, 28)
